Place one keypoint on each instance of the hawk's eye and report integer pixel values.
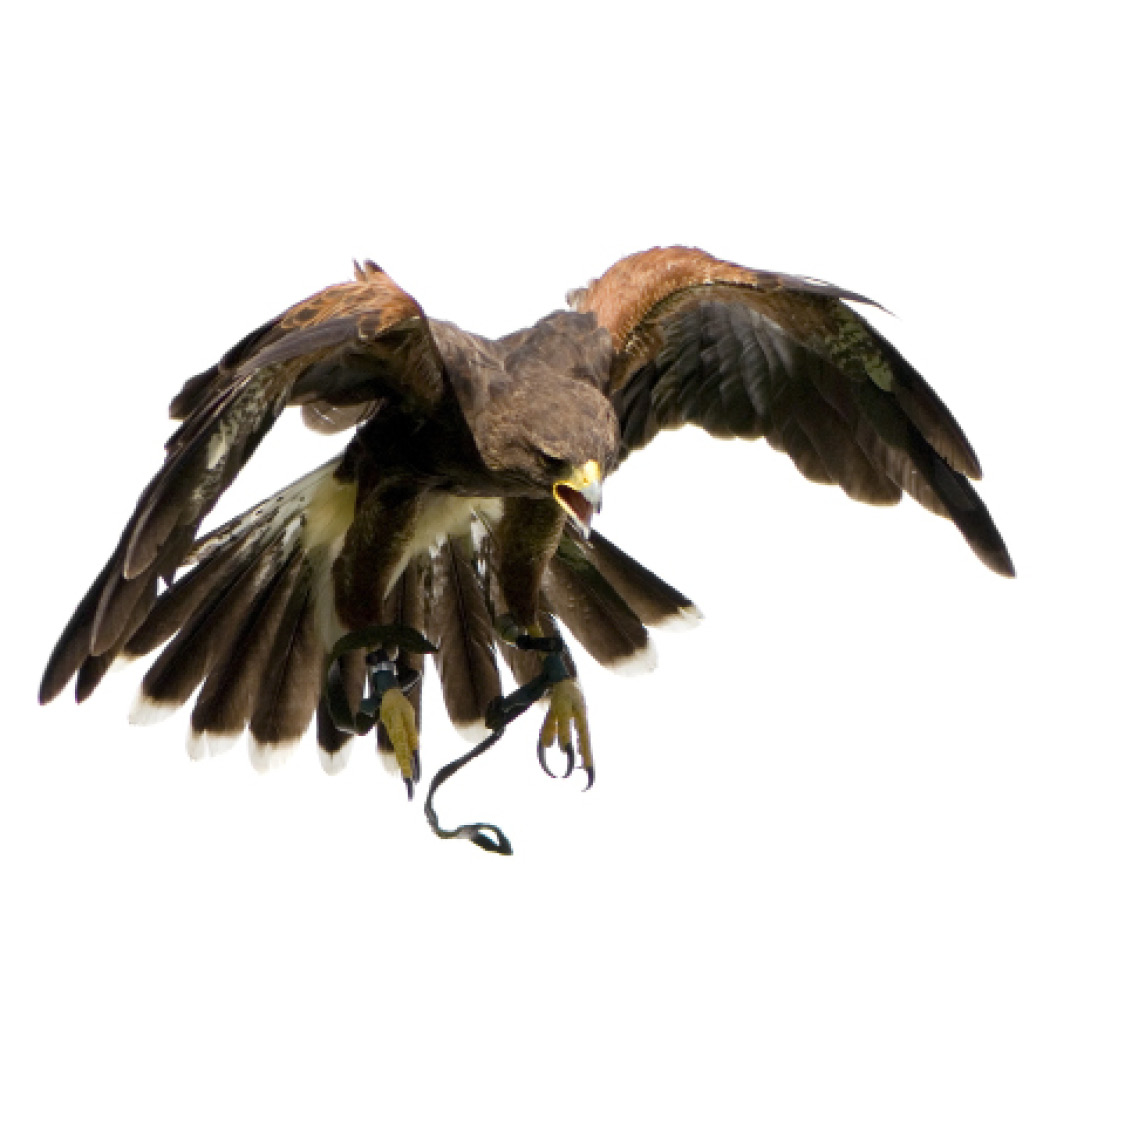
(555, 466)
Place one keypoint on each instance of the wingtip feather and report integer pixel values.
(998, 561)
(51, 685)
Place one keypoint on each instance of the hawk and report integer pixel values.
(461, 506)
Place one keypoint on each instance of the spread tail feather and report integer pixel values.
(247, 625)
(598, 616)
(458, 622)
(653, 600)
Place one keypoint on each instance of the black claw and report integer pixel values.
(541, 754)
(568, 753)
(589, 771)
(409, 782)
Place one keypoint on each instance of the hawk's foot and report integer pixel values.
(566, 723)
(397, 716)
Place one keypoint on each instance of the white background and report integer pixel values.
(856, 850)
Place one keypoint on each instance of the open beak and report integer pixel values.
(580, 495)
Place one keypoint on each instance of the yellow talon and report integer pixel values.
(397, 716)
(566, 724)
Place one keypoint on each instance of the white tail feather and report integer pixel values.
(333, 764)
(687, 618)
(146, 712)
(265, 756)
(203, 744)
(637, 663)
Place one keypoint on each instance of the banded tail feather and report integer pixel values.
(652, 599)
(609, 601)
(249, 623)
(595, 613)
(459, 623)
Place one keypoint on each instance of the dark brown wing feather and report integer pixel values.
(226, 703)
(458, 622)
(210, 629)
(94, 668)
(291, 682)
(350, 346)
(646, 594)
(325, 419)
(595, 613)
(747, 353)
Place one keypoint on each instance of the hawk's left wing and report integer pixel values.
(748, 353)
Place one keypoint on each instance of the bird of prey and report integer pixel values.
(461, 506)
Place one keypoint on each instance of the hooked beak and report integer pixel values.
(580, 496)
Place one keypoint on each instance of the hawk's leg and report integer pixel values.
(566, 723)
(396, 717)
(396, 714)
(527, 537)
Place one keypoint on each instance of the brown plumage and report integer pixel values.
(459, 623)
(466, 492)
(597, 616)
(647, 595)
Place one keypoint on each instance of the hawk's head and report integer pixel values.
(556, 438)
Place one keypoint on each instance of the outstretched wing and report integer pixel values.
(341, 354)
(748, 353)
